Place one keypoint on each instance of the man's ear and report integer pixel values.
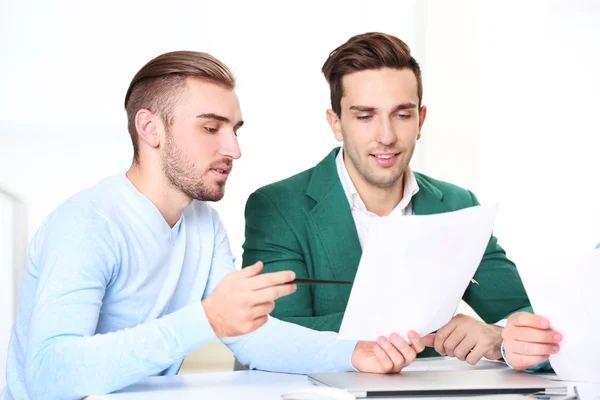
(336, 125)
(422, 115)
(145, 125)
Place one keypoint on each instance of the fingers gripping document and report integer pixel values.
(564, 289)
(414, 271)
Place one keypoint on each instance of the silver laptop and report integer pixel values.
(433, 383)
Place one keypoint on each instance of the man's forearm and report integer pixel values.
(279, 346)
(70, 366)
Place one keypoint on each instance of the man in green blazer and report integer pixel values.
(314, 222)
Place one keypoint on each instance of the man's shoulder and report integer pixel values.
(292, 187)
(105, 196)
(452, 194)
(74, 227)
(87, 210)
(442, 186)
(299, 188)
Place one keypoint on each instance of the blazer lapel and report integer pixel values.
(332, 219)
(428, 200)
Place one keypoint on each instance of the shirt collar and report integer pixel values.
(411, 186)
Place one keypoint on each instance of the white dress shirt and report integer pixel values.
(363, 217)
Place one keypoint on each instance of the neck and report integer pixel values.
(378, 200)
(382, 201)
(153, 184)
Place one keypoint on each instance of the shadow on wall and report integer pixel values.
(13, 245)
(13, 249)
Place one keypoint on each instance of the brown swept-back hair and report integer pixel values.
(158, 85)
(371, 50)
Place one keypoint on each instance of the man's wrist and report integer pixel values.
(353, 360)
(503, 352)
(497, 353)
(207, 305)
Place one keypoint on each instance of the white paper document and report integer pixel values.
(587, 391)
(414, 271)
(564, 289)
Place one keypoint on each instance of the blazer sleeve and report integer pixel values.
(270, 238)
(499, 291)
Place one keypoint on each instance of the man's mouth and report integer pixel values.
(222, 170)
(385, 159)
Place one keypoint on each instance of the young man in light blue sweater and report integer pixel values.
(124, 279)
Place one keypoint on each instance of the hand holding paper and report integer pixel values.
(565, 292)
(529, 340)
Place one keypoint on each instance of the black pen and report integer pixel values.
(319, 281)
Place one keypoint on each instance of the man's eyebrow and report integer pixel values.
(398, 107)
(404, 106)
(219, 118)
(362, 108)
(216, 117)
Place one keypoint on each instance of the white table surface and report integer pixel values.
(254, 384)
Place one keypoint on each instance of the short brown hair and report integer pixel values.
(371, 50)
(158, 84)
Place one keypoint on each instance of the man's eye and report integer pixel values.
(211, 130)
(364, 117)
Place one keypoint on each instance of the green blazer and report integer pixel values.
(304, 224)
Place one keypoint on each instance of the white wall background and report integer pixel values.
(512, 90)
(66, 66)
(69, 63)
(539, 96)
(513, 94)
